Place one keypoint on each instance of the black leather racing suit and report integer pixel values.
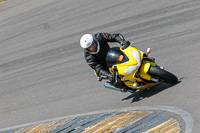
(97, 61)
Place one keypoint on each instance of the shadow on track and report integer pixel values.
(139, 95)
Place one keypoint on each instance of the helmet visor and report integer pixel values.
(93, 46)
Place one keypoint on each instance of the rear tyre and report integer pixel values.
(163, 75)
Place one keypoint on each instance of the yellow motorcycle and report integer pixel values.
(136, 69)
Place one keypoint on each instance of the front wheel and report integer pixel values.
(163, 75)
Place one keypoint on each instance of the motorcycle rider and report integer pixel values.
(95, 51)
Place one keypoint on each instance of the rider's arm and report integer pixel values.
(99, 69)
(106, 37)
(110, 37)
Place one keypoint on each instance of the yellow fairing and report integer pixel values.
(128, 71)
(145, 68)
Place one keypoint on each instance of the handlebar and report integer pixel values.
(115, 75)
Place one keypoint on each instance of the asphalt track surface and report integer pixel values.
(43, 74)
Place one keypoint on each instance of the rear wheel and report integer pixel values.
(163, 75)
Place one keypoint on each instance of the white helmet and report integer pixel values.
(87, 40)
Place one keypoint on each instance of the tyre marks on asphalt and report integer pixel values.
(115, 122)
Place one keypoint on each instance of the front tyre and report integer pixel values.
(163, 75)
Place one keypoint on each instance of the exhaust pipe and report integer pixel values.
(111, 86)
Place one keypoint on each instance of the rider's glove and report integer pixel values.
(125, 44)
(111, 77)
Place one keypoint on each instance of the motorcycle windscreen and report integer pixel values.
(115, 56)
